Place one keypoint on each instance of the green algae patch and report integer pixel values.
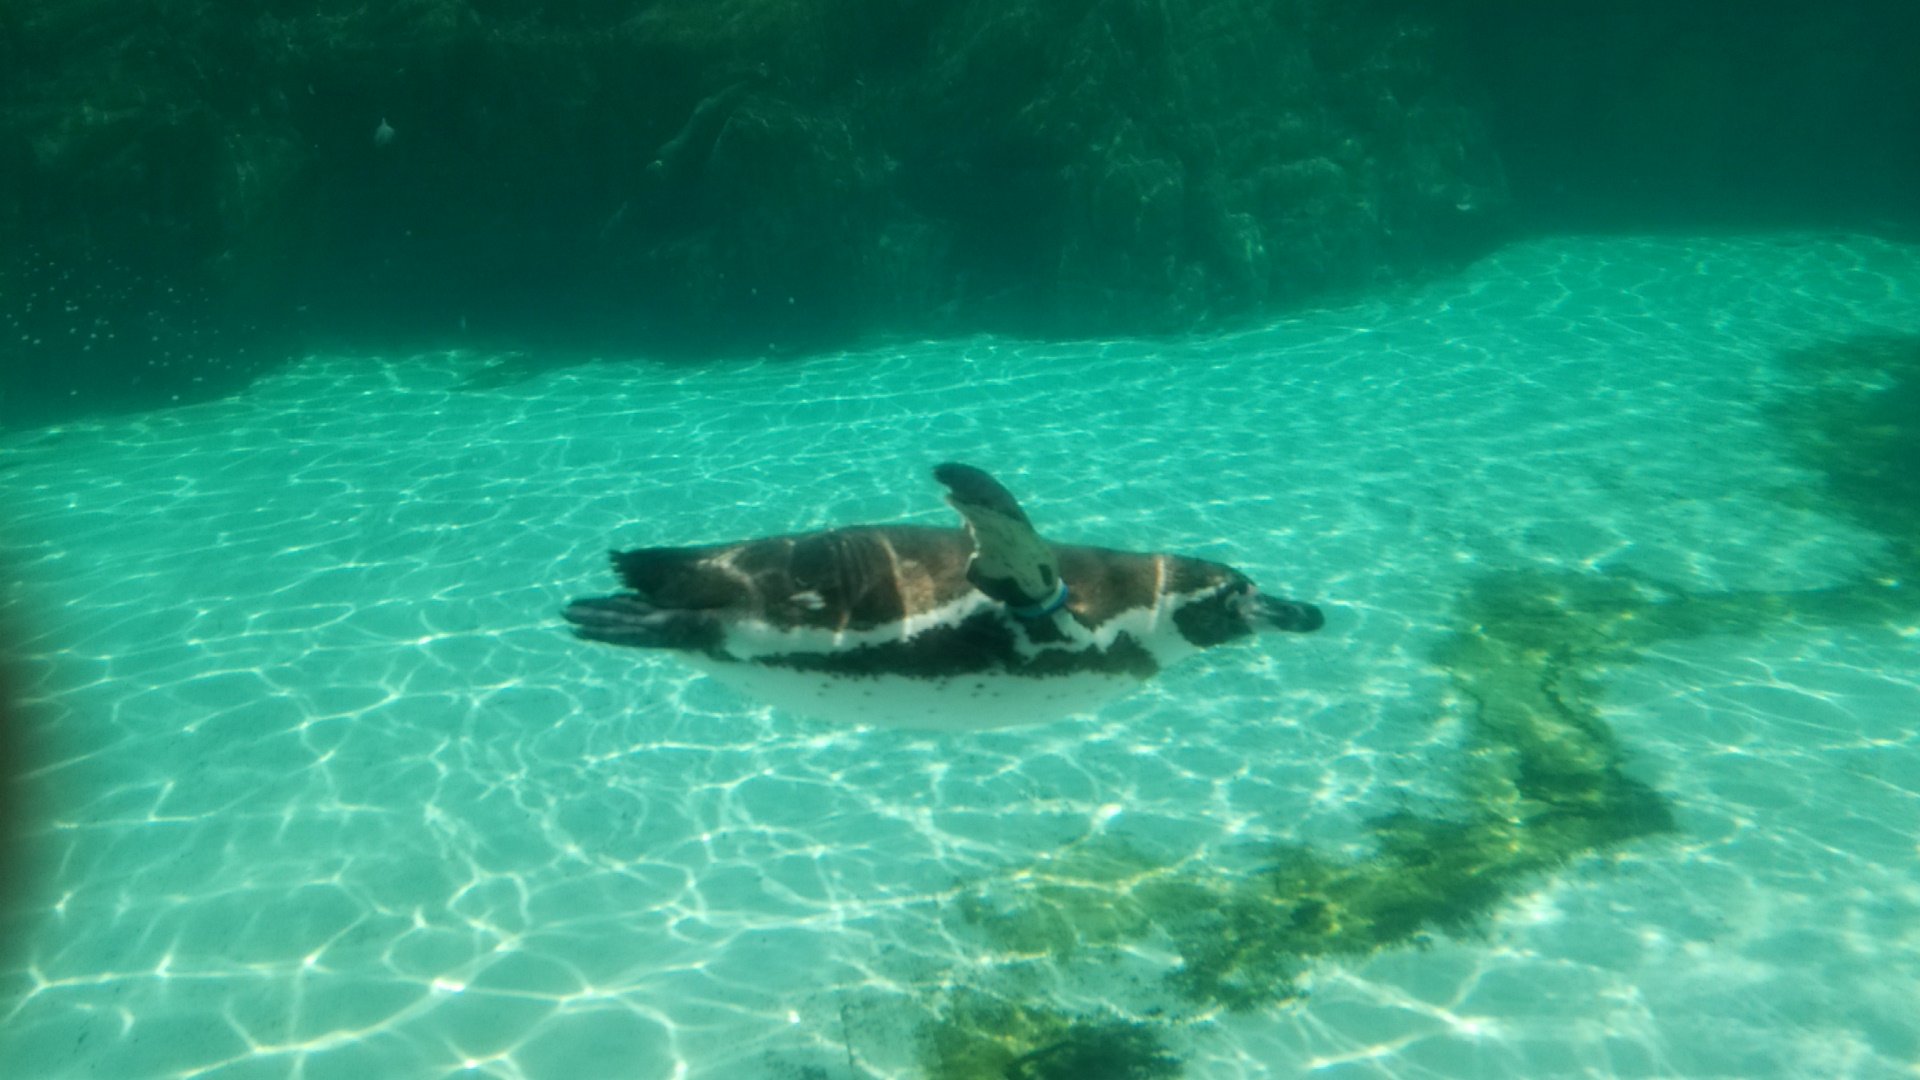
(1524, 659)
(1853, 415)
(1543, 782)
(981, 1037)
(1099, 893)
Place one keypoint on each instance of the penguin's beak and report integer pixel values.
(1291, 615)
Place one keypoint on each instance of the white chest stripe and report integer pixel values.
(1152, 627)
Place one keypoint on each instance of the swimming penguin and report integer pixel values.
(913, 626)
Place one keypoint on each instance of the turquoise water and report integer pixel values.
(331, 793)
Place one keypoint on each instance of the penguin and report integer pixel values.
(954, 629)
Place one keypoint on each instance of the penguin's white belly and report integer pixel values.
(972, 702)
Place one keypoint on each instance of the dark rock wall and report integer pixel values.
(1118, 164)
(712, 175)
(190, 189)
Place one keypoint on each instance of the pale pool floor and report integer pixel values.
(333, 794)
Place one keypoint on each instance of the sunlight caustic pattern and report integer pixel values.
(325, 790)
